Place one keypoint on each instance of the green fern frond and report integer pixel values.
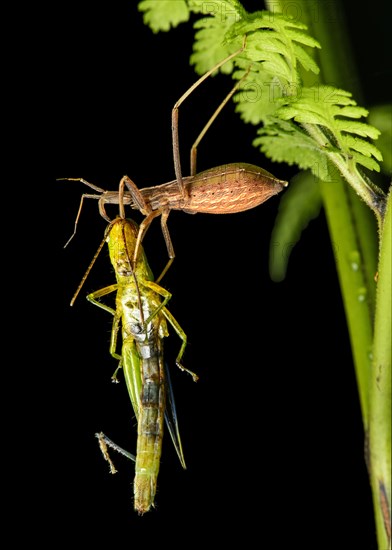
(285, 142)
(305, 59)
(315, 127)
(359, 128)
(218, 8)
(275, 33)
(380, 116)
(300, 37)
(334, 110)
(162, 15)
(353, 111)
(362, 146)
(257, 98)
(273, 21)
(209, 47)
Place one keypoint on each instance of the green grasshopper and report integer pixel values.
(140, 309)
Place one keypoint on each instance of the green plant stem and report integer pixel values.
(355, 250)
(350, 173)
(380, 396)
(354, 238)
(338, 203)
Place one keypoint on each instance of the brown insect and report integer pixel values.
(221, 190)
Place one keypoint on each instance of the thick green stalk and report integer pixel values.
(354, 238)
(380, 391)
(338, 201)
(355, 247)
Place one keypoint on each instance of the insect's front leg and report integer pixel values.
(94, 299)
(142, 231)
(84, 196)
(142, 205)
(166, 295)
(137, 197)
(168, 241)
(174, 323)
(113, 345)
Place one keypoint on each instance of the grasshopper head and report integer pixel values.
(121, 239)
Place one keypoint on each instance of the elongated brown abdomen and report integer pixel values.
(221, 190)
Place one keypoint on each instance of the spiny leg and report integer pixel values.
(174, 323)
(92, 297)
(104, 450)
(104, 442)
(116, 322)
(113, 345)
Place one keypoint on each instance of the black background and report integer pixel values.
(272, 432)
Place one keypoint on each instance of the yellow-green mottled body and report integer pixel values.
(141, 312)
(142, 356)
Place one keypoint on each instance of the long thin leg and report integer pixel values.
(116, 322)
(174, 323)
(84, 196)
(145, 209)
(165, 269)
(165, 214)
(175, 140)
(103, 292)
(169, 244)
(85, 182)
(142, 205)
(142, 231)
(137, 197)
(104, 443)
(212, 119)
(101, 205)
(166, 294)
(161, 292)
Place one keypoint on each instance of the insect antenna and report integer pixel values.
(139, 300)
(133, 267)
(108, 229)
